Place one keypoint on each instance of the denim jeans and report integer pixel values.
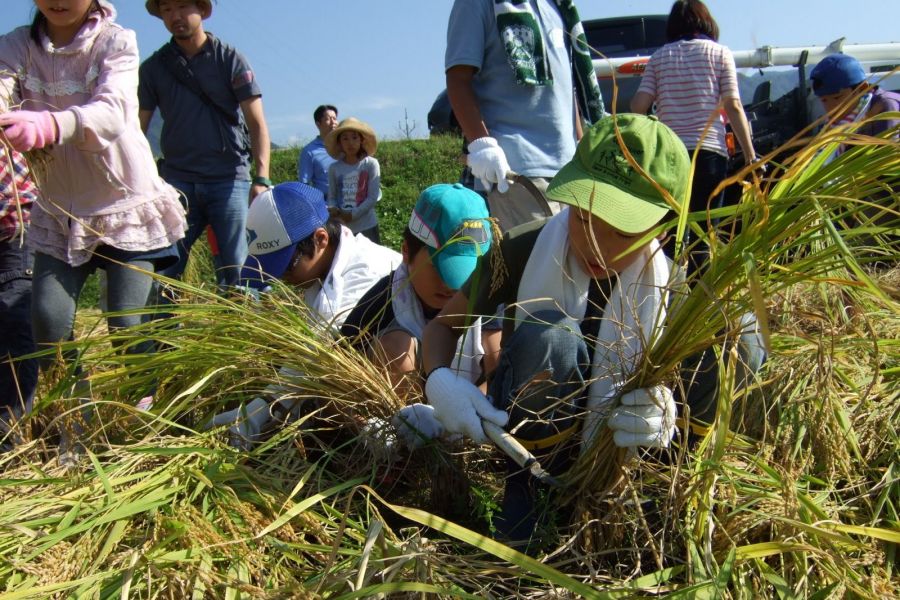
(18, 380)
(540, 382)
(223, 206)
(711, 171)
(712, 168)
(57, 286)
(700, 372)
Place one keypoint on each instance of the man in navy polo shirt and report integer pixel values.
(213, 125)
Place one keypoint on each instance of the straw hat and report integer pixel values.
(203, 5)
(369, 143)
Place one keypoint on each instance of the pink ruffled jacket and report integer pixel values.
(102, 185)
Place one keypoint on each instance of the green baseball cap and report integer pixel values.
(600, 179)
(452, 221)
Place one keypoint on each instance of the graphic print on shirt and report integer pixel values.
(354, 189)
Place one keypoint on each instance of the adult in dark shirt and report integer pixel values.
(213, 125)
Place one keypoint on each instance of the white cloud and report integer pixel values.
(288, 120)
(361, 106)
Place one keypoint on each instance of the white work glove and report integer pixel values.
(488, 163)
(460, 406)
(416, 424)
(246, 423)
(645, 417)
(378, 438)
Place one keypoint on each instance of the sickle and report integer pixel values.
(518, 453)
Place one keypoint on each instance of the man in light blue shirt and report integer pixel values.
(312, 168)
(510, 82)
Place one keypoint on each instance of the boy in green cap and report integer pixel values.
(582, 305)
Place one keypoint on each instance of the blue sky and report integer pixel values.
(375, 59)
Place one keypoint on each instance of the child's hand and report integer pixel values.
(29, 130)
(645, 417)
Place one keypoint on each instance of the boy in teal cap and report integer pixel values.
(448, 231)
(582, 305)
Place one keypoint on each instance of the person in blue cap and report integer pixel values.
(448, 230)
(291, 238)
(837, 79)
(843, 87)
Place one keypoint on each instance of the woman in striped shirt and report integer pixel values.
(692, 79)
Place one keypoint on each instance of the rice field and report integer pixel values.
(792, 491)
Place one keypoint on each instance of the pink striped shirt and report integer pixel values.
(688, 79)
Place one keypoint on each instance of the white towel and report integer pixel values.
(358, 264)
(631, 323)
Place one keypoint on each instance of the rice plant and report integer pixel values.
(791, 492)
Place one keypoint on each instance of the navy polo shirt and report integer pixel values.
(198, 143)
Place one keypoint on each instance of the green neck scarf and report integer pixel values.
(526, 51)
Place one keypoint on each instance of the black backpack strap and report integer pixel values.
(178, 66)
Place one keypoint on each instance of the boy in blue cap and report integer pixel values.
(291, 238)
(839, 77)
(448, 230)
(837, 80)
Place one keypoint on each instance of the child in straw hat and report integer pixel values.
(354, 181)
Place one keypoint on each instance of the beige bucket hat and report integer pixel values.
(204, 5)
(369, 143)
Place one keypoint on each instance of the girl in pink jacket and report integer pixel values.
(71, 81)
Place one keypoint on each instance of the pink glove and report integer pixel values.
(27, 130)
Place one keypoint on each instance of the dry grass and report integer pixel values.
(792, 492)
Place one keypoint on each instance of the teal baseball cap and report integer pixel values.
(599, 179)
(452, 221)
